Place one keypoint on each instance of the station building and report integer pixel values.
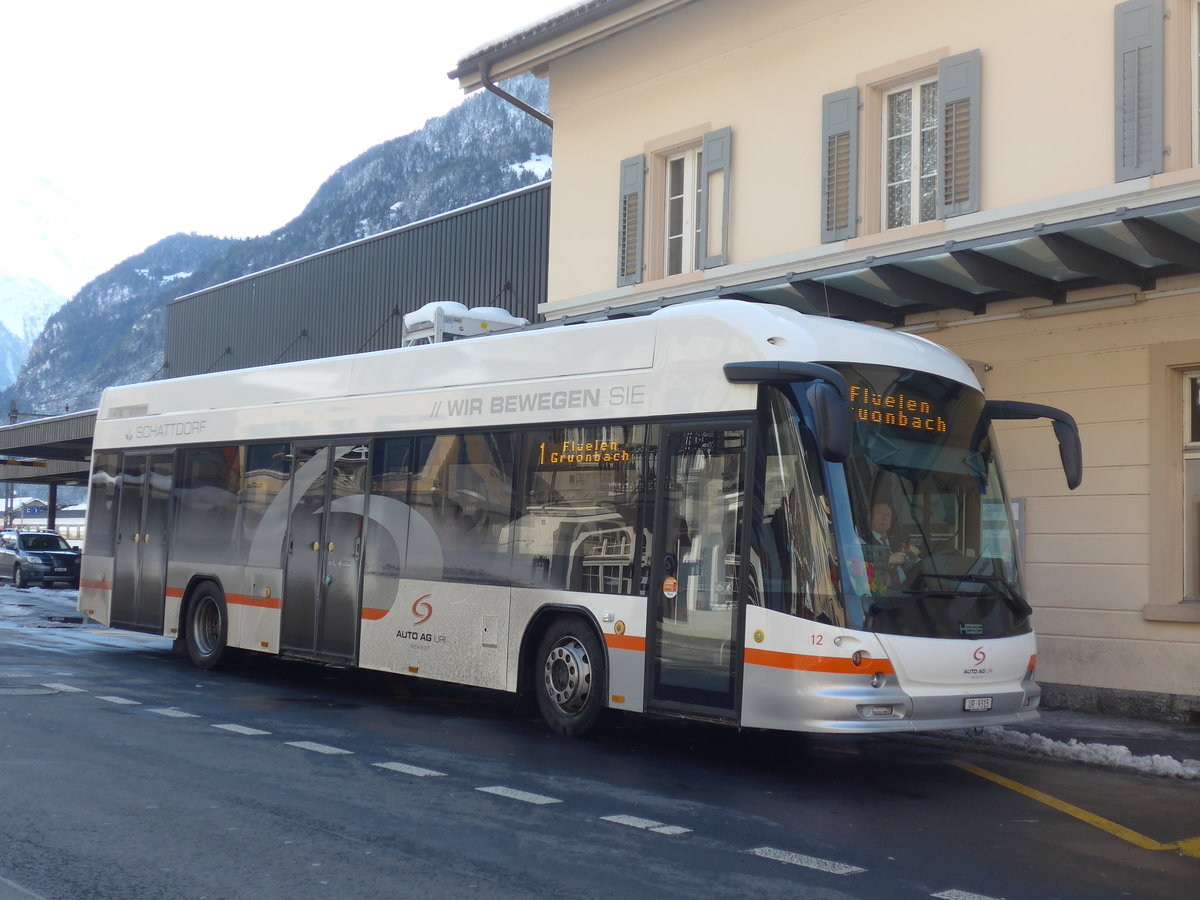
(1017, 182)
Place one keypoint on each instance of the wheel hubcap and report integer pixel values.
(207, 625)
(568, 675)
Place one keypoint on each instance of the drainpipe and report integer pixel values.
(486, 80)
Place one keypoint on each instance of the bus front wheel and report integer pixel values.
(208, 627)
(570, 677)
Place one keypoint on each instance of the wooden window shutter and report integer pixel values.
(839, 180)
(1139, 88)
(632, 214)
(958, 134)
(714, 198)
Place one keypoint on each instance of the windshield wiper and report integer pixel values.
(1009, 594)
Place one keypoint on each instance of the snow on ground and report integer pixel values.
(1111, 755)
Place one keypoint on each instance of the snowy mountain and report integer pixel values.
(111, 332)
(25, 306)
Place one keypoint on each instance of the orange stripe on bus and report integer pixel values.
(175, 593)
(625, 642)
(837, 665)
(373, 615)
(97, 585)
(260, 602)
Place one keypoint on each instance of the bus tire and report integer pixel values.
(569, 677)
(208, 627)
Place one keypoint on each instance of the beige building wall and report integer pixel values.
(763, 67)
(1101, 561)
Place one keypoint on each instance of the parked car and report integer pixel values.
(37, 557)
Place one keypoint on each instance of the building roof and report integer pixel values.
(532, 46)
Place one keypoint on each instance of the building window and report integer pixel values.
(682, 246)
(674, 209)
(910, 129)
(1195, 32)
(1191, 487)
(920, 149)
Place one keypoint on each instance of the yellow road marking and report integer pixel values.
(1187, 847)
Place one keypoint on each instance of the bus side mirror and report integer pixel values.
(1070, 449)
(828, 394)
(832, 413)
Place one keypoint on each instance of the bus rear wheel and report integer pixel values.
(570, 677)
(208, 627)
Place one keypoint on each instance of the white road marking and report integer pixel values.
(318, 748)
(173, 713)
(408, 770)
(66, 688)
(646, 824)
(523, 796)
(240, 729)
(808, 862)
(120, 701)
(960, 895)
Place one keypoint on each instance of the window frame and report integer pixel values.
(918, 133)
(1171, 364)
(1190, 452)
(1194, 81)
(691, 161)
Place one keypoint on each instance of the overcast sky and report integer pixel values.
(124, 121)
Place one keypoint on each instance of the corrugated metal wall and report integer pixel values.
(342, 300)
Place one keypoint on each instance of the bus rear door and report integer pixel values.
(139, 570)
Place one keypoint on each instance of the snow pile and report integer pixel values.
(1098, 754)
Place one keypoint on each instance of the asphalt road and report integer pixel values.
(126, 773)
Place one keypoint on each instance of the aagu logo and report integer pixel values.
(978, 670)
(422, 610)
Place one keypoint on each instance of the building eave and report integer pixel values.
(532, 48)
(1047, 257)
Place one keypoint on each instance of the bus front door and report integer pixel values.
(695, 571)
(139, 570)
(325, 538)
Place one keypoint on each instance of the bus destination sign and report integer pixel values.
(894, 410)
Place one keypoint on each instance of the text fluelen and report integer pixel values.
(895, 410)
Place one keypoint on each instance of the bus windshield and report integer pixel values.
(930, 549)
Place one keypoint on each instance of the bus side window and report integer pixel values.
(102, 504)
(207, 487)
(792, 536)
(581, 522)
(463, 492)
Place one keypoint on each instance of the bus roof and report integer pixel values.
(666, 363)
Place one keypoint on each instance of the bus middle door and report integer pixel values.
(325, 539)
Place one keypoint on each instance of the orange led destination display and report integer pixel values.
(572, 453)
(894, 410)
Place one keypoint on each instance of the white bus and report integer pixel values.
(668, 514)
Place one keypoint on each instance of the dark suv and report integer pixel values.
(37, 557)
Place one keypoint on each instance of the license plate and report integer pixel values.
(977, 704)
(60, 570)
